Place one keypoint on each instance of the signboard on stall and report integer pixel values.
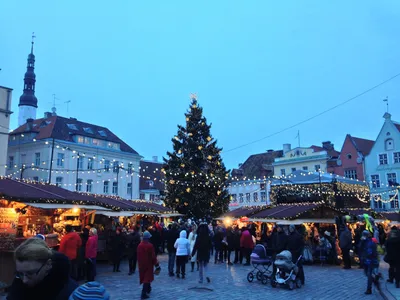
(244, 219)
(8, 228)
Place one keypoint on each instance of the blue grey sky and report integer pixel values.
(257, 67)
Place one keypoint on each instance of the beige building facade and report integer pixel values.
(5, 112)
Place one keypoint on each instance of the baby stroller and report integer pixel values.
(286, 271)
(261, 263)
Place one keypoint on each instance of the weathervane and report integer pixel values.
(33, 37)
(387, 103)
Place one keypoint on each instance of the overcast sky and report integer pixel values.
(258, 67)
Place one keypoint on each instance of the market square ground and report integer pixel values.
(322, 282)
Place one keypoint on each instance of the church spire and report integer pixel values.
(28, 100)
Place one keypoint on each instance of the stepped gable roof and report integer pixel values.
(65, 129)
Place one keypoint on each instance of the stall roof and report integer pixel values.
(28, 192)
(243, 212)
(391, 216)
(284, 211)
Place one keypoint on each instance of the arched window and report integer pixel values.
(389, 144)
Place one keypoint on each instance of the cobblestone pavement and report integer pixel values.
(322, 282)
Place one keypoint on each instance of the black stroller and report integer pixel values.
(286, 271)
(261, 263)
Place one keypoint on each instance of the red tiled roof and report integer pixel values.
(258, 165)
(362, 145)
(57, 127)
(151, 169)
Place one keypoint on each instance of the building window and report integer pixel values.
(396, 157)
(317, 168)
(60, 159)
(90, 163)
(130, 168)
(293, 170)
(394, 203)
(234, 198)
(89, 185)
(392, 180)
(142, 196)
(11, 162)
(80, 163)
(255, 197)
(241, 197)
(350, 174)
(389, 144)
(105, 187)
(263, 197)
(375, 181)
(36, 179)
(377, 203)
(116, 167)
(79, 185)
(129, 189)
(37, 159)
(349, 156)
(59, 181)
(115, 188)
(152, 197)
(150, 183)
(383, 159)
(107, 165)
(283, 172)
(305, 168)
(248, 198)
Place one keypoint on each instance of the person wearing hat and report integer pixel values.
(147, 259)
(370, 262)
(90, 291)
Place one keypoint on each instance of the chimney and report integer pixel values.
(47, 114)
(155, 158)
(29, 124)
(240, 165)
(327, 145)
(287, 148)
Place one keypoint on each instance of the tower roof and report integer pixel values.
(28, 98)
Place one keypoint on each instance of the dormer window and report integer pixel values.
(389, 144)
(72, 126)
(102, 133)
(349, 156)
(88, 130)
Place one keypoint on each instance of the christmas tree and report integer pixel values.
(195, 174)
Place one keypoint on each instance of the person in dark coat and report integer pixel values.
(81, 254)
(345, 243)
(370, 261)
(279, 243)
(117, 249)
(218, 237)
(172, 236)
(202, 247)
(236, 245)
(155, 239)
(230, 240)
(40, 273)
(295, 244)
(392, 257)
(133, 241)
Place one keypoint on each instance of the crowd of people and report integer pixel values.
(41, 269)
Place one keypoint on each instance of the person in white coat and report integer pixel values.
(182, 246)
(192, 241)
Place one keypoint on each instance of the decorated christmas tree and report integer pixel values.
(195, 174)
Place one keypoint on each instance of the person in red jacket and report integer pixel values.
(147, 259)
(91, 254)
(69, 246)
(247, 245)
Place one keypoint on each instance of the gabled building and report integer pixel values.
(311, 159)
(257, 165)
(69, 153)
(382, 166)
(350, 163)
(151, 184)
